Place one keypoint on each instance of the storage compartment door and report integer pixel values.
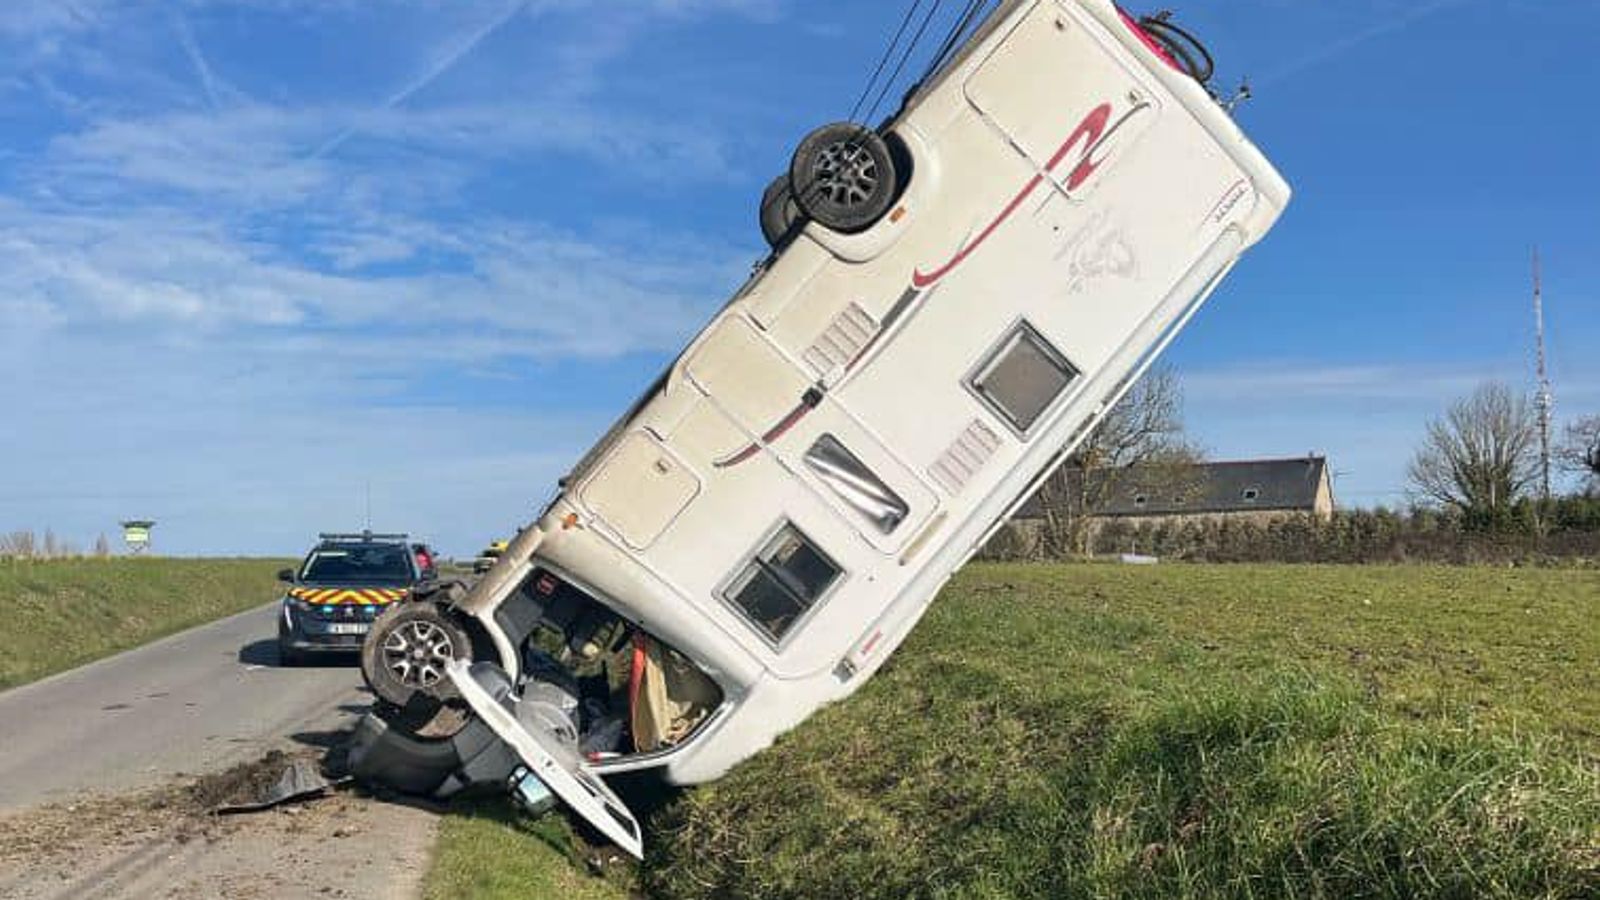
(638, 489)
(1056, 92)
(752, 383)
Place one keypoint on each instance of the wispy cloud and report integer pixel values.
(445, 60)
(541, 292)
(209, 82)
(1327, 52)
(1295, 381)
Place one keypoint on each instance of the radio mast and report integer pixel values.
(1544, 400)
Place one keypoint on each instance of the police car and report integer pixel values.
(341, 587)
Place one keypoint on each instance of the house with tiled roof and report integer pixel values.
(1258, 489)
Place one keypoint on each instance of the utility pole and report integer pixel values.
(1543, 401)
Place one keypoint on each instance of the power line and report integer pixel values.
(904, 57)
(888, 53)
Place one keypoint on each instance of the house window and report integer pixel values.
(1022, 378)
(857, 486)
(1251, 495)
(784, 580)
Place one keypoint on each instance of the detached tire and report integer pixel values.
(403, 660)
(779, 213)
(843, 177)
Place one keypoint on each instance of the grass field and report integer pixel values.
(63, 613)
(1183, 731)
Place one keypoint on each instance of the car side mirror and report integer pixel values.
(286, 575)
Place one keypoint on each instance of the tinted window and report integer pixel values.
(1022, 378)
(782, 582)
(358, 564)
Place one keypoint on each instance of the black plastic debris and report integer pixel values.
(300, 780)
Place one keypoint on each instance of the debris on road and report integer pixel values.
(176, 841)
(301, 779)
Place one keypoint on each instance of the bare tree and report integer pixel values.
(17, 545)
(1580, 451)
(1143, 433)
(102, 547)
(1482, 456)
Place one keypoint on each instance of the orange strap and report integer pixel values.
(635, 681)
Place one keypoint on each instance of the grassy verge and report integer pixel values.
(1102, 731)
(488, 850)
(63, 613)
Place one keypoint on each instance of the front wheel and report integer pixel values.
(843, 177)
(288, 657)
(403, 660)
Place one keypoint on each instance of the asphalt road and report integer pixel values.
(78, 749)
(195, 702)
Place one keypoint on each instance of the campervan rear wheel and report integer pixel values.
(843, 177)
(778, 211)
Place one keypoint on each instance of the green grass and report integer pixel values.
(488, 849)
(64, 613)
(1180, 731)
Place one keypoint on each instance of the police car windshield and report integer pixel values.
(374, 564)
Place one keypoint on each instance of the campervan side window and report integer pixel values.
(781, 583)
(1022, 377)
(855, 484)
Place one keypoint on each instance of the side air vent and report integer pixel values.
(843, 340)
(971, 450)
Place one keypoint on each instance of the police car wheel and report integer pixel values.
(405, 653)
(288, 656)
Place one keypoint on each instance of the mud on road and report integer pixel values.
(169, 843)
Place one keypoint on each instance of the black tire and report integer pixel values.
(843, 177)
(779, 212)
(403, 655)
(288, 656)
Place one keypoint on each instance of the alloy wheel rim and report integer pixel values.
(847, 174)
(416, 653)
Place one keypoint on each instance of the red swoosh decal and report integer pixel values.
(806, 405)
(1088, 132)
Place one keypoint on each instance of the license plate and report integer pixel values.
(348, 628)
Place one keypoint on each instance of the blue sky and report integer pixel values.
(259, 256)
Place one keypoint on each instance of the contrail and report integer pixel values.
(191, 48)
(1346, 44)
(444, 63)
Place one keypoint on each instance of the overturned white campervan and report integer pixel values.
(953, 300)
